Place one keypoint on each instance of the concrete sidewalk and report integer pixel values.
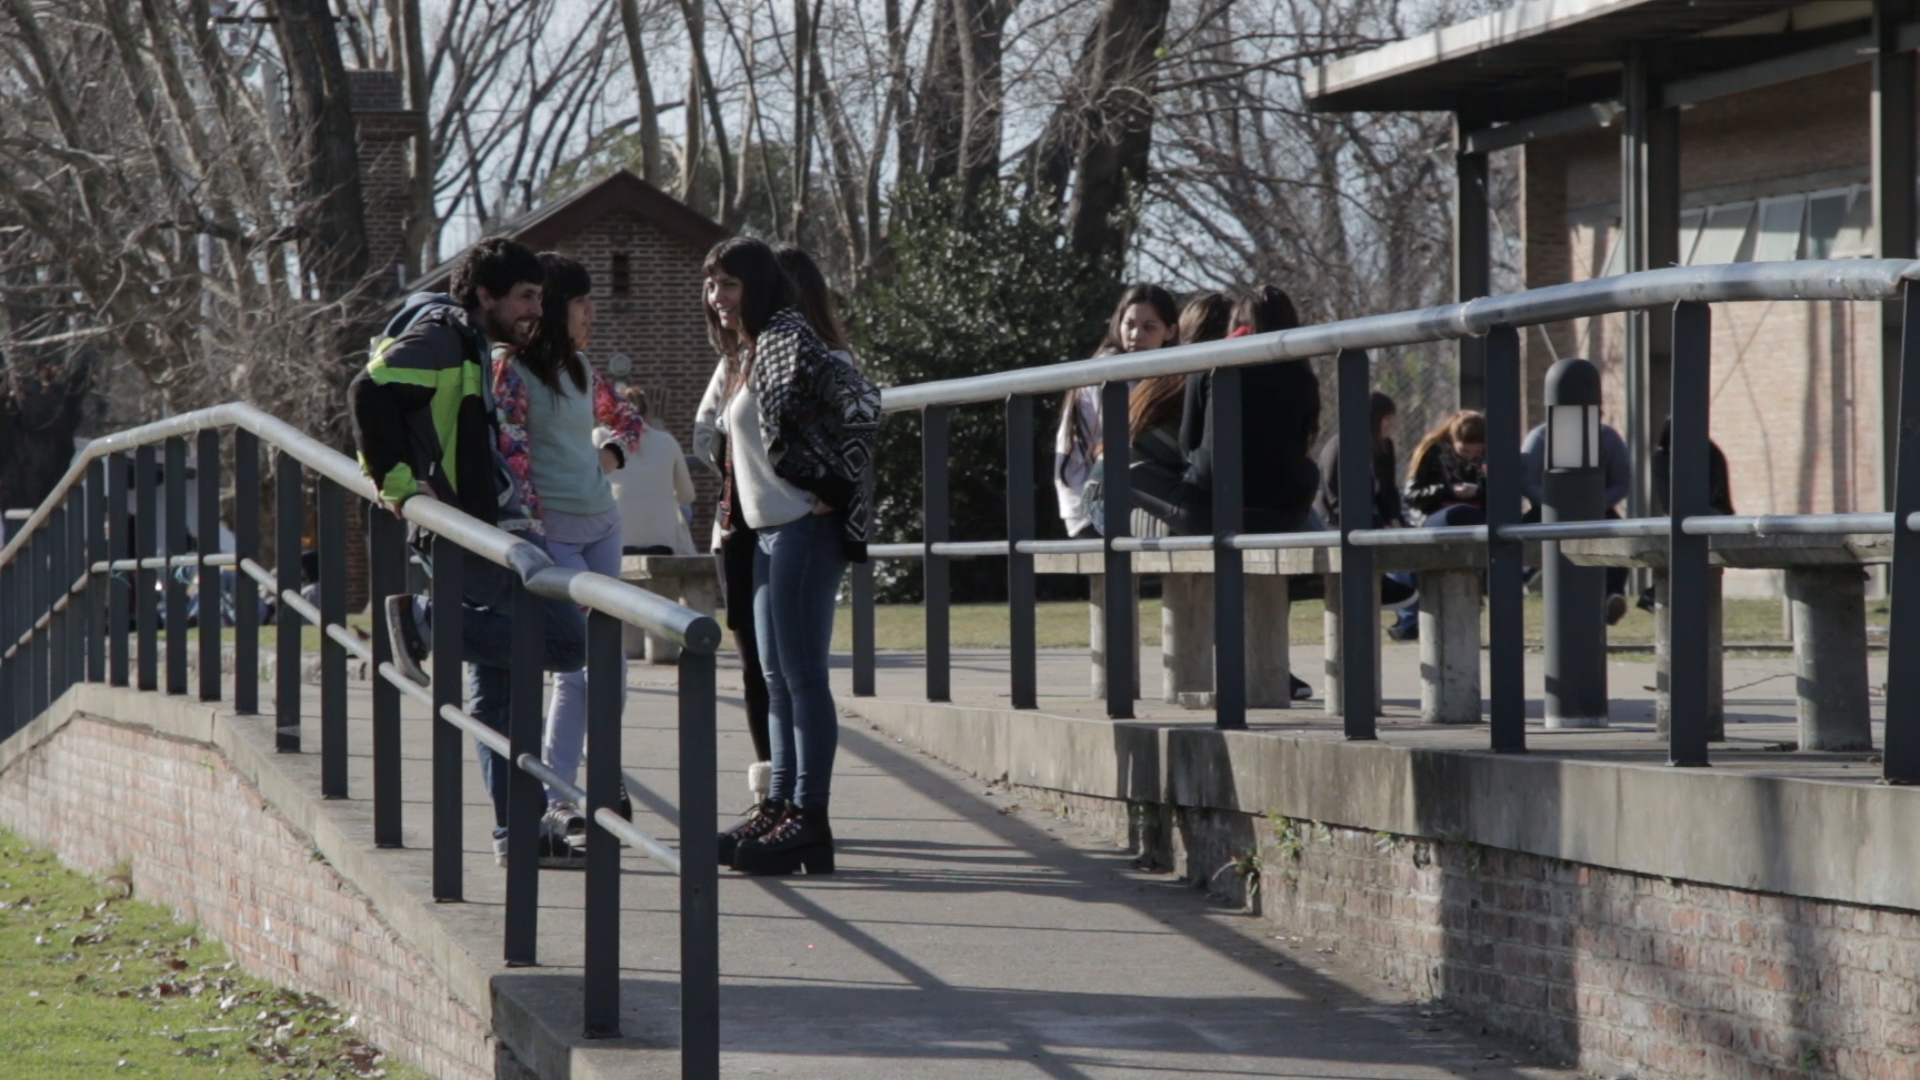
(965, 936)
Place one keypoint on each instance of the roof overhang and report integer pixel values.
(1545, 54)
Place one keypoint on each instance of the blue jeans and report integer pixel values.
(796, 576)
(567, 710)
(488, 636)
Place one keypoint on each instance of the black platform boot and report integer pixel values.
(804, 841)
(761, 820)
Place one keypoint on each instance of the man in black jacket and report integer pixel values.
(425, 425)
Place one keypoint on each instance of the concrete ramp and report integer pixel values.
(967, 935)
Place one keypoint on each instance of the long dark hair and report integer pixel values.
(764, 289)
(552, 349)
(1465, 427)
(1156, 400)
(1265, 309)
(1141, 293)
(811, 294)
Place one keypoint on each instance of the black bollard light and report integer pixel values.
(1574, 489)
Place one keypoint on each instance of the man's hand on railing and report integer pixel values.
(397, 508)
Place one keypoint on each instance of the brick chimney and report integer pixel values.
(386, 128)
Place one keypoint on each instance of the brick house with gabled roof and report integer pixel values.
(644, 249)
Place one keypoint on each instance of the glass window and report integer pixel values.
(1725, 236)
(1778, 236)
(1826, 210)
(1856, 230)
(1690, 221)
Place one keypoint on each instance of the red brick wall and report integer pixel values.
(658, 323)
(1796, 387)
(1615, 972)
(1611, 970)
(202, 841)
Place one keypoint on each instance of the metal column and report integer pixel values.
(212, 594)
(449, 747)
(146, 545)
(172, 576)
(1902, 757)
(1359, 618)
(1022, 636)
(1123, 638)
(289, 511)
(936, 508)
(1506, 613)
(246, 591)
(1687, 555)
(331, 524)
(387, 571)
(1895, 161)
(601, 920)
(1229, 564)
(1472, 257)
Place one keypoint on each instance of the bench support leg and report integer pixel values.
(1186, 635)
(1268, 642)
(1830, 656)
(1716, 662)
(1333, 695)
(1097, 632)
(1450, 646)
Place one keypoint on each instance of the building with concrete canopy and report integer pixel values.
(1685, 132)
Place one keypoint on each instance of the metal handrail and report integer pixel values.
(1811, 279)
(629, 603)
(69, 533)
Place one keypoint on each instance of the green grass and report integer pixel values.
(1064, 624)
(93, 985)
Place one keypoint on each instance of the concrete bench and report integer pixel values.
(1449, 622)
(687, 579)
(1827, 600)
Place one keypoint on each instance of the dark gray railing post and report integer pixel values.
(1687, 555)
(1506, 587)
(449, 573)
(1123, 638)
(1901, 762)
(46, 643)
(146, 600)
(331, 526)
(602, 918)
(1359, 622)
(863, 645)
(97, 551)
(246, 591)
(207, 475)
(526, 796)
(699, 871)
(1229, 564)
(1022, 638)
(175, 479)
(289, 513)
(387, 576)
(75, 642)
(120, 545)
(11, 715)
(936, 508)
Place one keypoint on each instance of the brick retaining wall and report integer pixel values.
(201, 840)
(1621, 973)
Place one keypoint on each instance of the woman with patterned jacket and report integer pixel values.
(550, 400)
(800, 426)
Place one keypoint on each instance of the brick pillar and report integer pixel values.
(385, 127)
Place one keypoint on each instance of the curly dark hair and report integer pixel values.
(495, 264)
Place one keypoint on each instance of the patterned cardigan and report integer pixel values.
(610, 411)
